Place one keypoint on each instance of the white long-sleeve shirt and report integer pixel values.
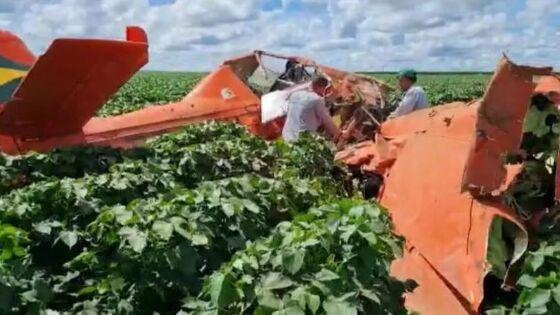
(414, 99)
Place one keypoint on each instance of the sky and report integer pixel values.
(359, 35)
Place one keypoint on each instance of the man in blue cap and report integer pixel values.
(414, 96)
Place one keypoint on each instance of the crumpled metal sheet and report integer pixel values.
(446, 227)
(449, 228)
(378, 155)
(354, 88)
(547, 84)
(348, 87)
(499, 125)
(243, 66)
(358, 154)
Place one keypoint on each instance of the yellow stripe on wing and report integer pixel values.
(8, 75)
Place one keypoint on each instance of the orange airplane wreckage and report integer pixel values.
(439, 171)
(444, 176)
(49, 102)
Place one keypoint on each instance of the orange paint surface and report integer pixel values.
(436, 166)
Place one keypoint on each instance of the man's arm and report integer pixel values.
(407, 104)
(326, 119)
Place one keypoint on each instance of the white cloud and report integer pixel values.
(356, 34)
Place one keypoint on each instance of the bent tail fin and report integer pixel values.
(69, 83)
(15, 61)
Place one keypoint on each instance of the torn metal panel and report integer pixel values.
(349, 87)
(499, 126)
(354, 88)
(446, 228)
(548, 84)
(425, 183)
(243, 66)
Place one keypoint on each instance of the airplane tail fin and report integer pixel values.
(68, 83)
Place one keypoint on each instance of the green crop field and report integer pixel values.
(154, 88)
(446, 88)
(163, 87)
(213, 220)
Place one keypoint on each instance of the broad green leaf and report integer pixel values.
(125, 307)
(43, 291)
(6, 254)
(539, 297)
(222, 291)
(369, 237)
(117, 284)
(29, 296)
(372, 210)
(163, 229)
(80, 190)
(251, 206)
(136, 239)
(275, 280)
(70, 238)
(335, 307)
(199, 239)
(556, 294)
(497, 252)
(348, 232)
(228, 209)
(357, 211)
(87, 290)
(527, 281)
(18, 251)
(326, 275)
(313, 302)
(541, 310)
(122, 214)
(537, 261)
(496, 311)
(178, 226)
(43, 227)
(299, 295)
(293, 261)
(370, 295)
(269, 300)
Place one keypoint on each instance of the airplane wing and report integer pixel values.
(70, 82)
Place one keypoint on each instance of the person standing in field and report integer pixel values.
(414, 96)
(307, 111)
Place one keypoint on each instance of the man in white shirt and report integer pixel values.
(414, 97)
(307, 111)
